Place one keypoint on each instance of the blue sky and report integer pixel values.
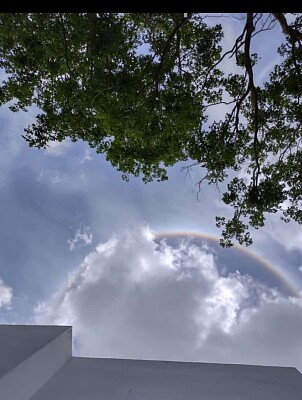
(78, 247)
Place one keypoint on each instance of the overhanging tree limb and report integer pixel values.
(45, 60)
(252, 89)
(293, 33)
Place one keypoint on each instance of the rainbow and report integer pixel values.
(280, 275)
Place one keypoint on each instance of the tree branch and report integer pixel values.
(65, 45)
(294, 34)
(252, 89)
(167, 44)
(234, 50)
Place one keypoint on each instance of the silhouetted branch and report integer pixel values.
(252, 89)
(293, 33)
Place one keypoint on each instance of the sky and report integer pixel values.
(136, 268)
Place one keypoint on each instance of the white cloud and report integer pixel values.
(6, 295)
(11, 142)
(83, 235)
(300, 269)
(86, 156)
(136, 298)
(57, 148)
(288, 235)
(55, 179)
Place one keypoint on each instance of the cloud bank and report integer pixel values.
(135, 297)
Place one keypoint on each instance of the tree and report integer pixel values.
(139, 87)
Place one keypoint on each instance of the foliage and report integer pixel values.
(140, 88)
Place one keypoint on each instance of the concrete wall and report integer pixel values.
(96, 379)
(30, 356)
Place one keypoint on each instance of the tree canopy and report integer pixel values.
(140, 88)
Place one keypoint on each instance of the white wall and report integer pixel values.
(36, 363)
(30, 356)
(96, 379)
